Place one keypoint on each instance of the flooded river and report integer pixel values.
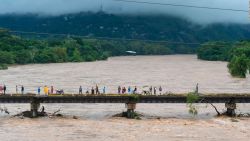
(175, 73)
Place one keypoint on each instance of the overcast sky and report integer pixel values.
(58, 7)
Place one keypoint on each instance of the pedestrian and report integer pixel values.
(52, 89)
(160, 89)
(16, 89)
(80, 90)
(123, 90)
(22, 89)
(1, 89)
(46, 90)
(154, 90)
(119, 89)
(104, 90)
(92, 91)
(4, 89)
(129, 89)
(197, 88)
(135, 90)
(87, 91)
(151, 90)
(97, 89)
(39, 90)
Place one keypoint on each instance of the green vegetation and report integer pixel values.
(134, 98)
(192, 97)
(214, 51)
(3, 67)
(237, 54)
(239, 65)
(16, 50)
(137, 26)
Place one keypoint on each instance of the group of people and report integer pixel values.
(124, 90)
(46, 90)
(153, 90)
(93, 91)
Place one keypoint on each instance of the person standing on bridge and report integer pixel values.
(197, 89)
(92, 91)
(51, 89)
(46, 90)
(129, 89)
(16, 89)
(135, 90)
(104, 90)
(154, 90)
(160, 90)
(22, 89)
(4, 89)
(80, 90)
(97, 90)
(123, 90)
(119, 89)
(87, 91)
(38, 90)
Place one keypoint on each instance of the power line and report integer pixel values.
(182, 5)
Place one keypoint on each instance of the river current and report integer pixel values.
(175, 73)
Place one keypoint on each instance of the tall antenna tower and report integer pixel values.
(101, 7)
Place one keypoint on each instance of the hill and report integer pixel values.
(151, 27)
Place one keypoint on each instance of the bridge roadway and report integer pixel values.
(130, 101)
(123, 99)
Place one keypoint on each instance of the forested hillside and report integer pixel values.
(152, 27)
(17, 50)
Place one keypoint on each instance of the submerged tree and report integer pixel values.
(239, 66)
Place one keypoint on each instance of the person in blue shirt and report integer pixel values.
(39, 90)
(129, 89)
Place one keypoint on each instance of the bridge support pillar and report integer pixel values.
(131, 110)
(231, 106)
(34, 106)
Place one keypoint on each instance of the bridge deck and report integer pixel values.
(121, 99)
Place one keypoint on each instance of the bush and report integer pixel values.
(3, 67)
(239, 66)
(6, 57)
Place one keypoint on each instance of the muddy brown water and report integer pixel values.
(175, 73)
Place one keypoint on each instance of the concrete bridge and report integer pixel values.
(230, 100)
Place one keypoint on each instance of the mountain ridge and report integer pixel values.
(144, 27)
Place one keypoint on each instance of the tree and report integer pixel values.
(76, 56)
(214, 51)
(6, 57)
(60, 54)
(23, 57)
(239, 66)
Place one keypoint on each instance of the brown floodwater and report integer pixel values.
(175, 73)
